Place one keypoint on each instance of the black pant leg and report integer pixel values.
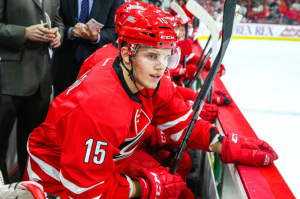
(31, 114)
(8, 114)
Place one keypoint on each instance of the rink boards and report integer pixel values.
(240, 181)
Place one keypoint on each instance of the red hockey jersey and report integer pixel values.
(108, 50)
(94, 127)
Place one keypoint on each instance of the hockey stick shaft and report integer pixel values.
(236, 22)
(205, 47)
(186, 26)
(196, 74)
(199, 12)
(199, 63)
(229, 8)
(185, 20)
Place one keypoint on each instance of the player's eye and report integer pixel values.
(152, 56)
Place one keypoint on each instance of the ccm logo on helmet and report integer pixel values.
(167, 37)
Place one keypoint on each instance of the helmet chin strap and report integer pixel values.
(130, 74)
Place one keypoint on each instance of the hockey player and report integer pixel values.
(191, 49)
(24, 190)
(94, 127)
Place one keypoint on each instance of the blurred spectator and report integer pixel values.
(267, 13)
(283, 10)
(260, 11)
(258, 7)
(80, 42)
(243, 11)
(255, 11)
(274, 8)
(181, 3)
(26, 77)
(296, 5)
(158, 3)
(291, 16)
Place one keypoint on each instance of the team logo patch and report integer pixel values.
(128, 146)
(234, 138)
(267, 160)
(131, 19)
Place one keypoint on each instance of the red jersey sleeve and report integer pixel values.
(172, 115)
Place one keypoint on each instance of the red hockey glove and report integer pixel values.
(159, 138)
(247, 150)
(158, 183)
(221, 70)
(220, 98)
(209, 112)
(178, 71)
(185, 47)
(190, 71)
(25, 189)
(193, 58)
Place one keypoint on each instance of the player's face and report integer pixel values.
(149, 65)
(181, 32)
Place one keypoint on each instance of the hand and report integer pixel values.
(190, 71)
(193, 58)
(247, 150)
(56, 41)
(39, 33)
(159, 138)
(76, 30)
(220, 98)
(25, 189)
(185, 47)
(90, 33)
(85, 31)
(221, 70)
(178, 71)
(158, 183)
(209, 112)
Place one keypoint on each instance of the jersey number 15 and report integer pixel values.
(99, 154)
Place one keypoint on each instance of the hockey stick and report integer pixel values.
(228, 18)
(196, 74)
(200, 59)
(185, 20)
(237, 20)
(198, 11)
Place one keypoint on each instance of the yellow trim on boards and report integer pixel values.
(258, 38)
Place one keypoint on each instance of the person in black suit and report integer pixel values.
(25, 70)
(0, 82)
(80, 40)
